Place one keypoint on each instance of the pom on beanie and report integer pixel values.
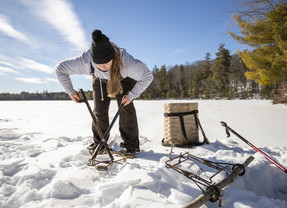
(96, 35)
(102, 50)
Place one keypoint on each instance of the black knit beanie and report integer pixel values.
(102, 50)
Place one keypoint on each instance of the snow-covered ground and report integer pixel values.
(43, 156)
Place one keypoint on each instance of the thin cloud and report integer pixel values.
(5, 70)
(52, 80)
(34, 80)
(33, 65)
(30, 80)
(61, 16)
(7, 29)
(179, 51)
(7, 64)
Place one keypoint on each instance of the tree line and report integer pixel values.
(219, 78)
(45, 95)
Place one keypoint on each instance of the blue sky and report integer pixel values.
(37, 34)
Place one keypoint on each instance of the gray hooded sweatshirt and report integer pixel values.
(132, 68)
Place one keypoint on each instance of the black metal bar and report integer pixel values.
(103, 141)
(99, 147)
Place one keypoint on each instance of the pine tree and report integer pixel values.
(221, 69)
(159, 86)
(175, 76)
(237, 78)
(268, 36)
(154, 87)
(162, 76)
(196, 84)
(207, 76)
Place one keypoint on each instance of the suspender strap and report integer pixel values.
(92, 69)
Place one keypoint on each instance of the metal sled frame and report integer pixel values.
(201, 182)
(102, 164)
(207, 186)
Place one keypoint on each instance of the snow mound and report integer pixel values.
(65, 190)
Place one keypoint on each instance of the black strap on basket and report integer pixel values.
(197, 122)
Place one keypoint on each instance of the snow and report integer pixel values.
(43, 156)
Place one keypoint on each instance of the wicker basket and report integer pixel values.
(173, 133)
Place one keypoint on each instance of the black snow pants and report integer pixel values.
(128, 124)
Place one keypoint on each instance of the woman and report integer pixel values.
(115, 74)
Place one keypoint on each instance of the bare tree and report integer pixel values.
(253, 9)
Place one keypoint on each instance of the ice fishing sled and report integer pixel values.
(203, 173)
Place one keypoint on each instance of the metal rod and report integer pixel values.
(103, 141)
(252, 146)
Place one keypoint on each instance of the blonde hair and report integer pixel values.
(114, 86)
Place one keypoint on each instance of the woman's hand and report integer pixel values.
(75, 97)
(125, 100)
